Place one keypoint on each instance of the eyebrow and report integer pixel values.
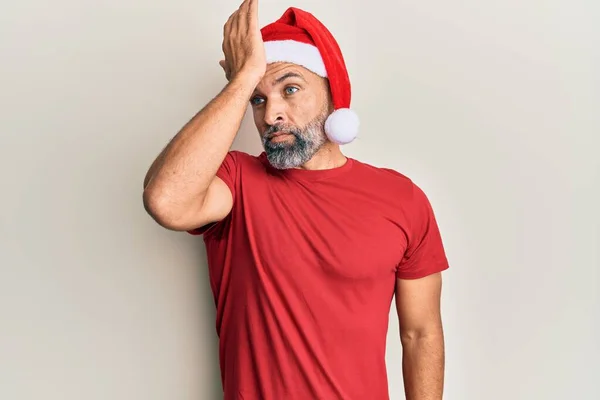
(288, 75)
(281, 79)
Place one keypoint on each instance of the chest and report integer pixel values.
(336, 230)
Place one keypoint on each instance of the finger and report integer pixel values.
(238, 21)
(229, 21)
(253, 7)
(242, 9)
(228, 31)
(231, 16)
(244, 6)
(252, 14)
(226, 69)
(242, 14)
(225, 46)
(234, 25)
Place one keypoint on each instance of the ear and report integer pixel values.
(329, 97)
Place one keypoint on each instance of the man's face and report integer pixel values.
(290, 106)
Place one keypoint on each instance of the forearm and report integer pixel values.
(423, 366)
(183, 171)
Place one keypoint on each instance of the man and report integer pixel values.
(306, 247)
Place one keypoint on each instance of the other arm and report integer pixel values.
(421, 334)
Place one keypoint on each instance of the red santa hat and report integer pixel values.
(299, 38)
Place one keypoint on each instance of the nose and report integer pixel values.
(274, 113)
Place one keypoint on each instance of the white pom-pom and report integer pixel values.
(342, 125)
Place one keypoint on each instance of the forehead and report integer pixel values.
(277, 73)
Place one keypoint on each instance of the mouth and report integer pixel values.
(280, 137)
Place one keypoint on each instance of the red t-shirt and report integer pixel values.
(303, 272)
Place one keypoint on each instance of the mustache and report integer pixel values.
(274, 130)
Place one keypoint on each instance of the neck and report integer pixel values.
(329, 156)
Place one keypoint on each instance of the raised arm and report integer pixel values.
(181, 189)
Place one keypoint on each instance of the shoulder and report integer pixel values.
(243, 157)
(240, 156)
(386, 178)
(394, 186)
(238, 160)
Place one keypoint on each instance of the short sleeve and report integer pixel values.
(425, 253)
(227, 172)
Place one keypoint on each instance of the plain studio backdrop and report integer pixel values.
(492, 107)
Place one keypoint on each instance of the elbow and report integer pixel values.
(162, 209)
(155, 206)
(432, 333)
(177, 213)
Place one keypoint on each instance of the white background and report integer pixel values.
(491, 106)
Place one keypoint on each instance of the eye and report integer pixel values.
(256, 100)
(291, 90)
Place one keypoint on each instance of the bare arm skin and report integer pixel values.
(177, 193)
(181, 190)
(421, 333)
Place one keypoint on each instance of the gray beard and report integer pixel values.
(301, 149)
